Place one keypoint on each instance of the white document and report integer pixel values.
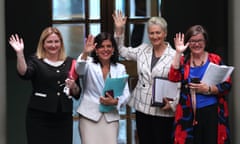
(216, 74)
(164, 88)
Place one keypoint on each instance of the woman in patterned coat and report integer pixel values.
(203, 120)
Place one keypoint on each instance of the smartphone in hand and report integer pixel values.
(195, 80)
(110, 92)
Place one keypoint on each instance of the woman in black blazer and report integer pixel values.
(49, 112)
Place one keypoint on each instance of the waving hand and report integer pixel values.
(119, 22)
(119, 19)
(18, 46)
(179, 43)
(17, 43)
(89, 44)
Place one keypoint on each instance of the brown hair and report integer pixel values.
(194, 30)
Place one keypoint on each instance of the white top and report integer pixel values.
(93, 84)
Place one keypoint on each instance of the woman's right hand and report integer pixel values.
(18, 46)
(17, 43)
(88, 47)
(89, 44)
(179, 43)
(119, 19)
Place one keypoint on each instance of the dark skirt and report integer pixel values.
(154, 129)
(49, 128)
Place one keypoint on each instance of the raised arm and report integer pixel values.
(82, 59)
(180, 48)
(88, 47)
(18, 45)
(119, 22)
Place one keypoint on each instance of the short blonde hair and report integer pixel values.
(158, 21)
(41, 53)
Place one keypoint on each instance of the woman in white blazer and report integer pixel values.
(154, 124)
(99, 127)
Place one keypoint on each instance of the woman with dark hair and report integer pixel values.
(49, 113)
(202, 113)
(98, 127)
(98, 40)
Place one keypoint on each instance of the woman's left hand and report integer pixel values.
(199, 87)
(108, 100)
(167, 105)
(70, 83)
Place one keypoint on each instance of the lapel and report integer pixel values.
(113, 71)
(99, 75)
(147, 60)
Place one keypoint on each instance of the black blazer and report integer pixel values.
(47, 85)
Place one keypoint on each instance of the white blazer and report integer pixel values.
(93, 84)
(142, 94)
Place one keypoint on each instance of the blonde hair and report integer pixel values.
(41, 53)
(158, 21)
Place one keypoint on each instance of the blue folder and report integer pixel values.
(117, 85)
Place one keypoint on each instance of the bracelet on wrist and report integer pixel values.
(209, 90)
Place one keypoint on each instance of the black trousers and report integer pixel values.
(205, 132)
(154, 129)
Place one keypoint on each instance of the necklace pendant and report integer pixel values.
(195, 65)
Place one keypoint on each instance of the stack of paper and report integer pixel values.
(216, 74)
(163, 88)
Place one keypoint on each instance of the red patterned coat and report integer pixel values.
(183, 132)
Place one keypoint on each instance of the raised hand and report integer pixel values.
(18, 46)
(89, 44)
(119, 19)
(16, 42)
(179, 43)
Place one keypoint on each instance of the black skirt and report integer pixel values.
(49, 128)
